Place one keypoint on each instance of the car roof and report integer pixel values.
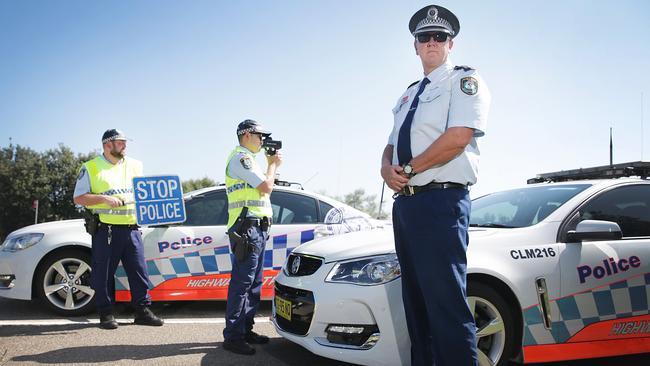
(595, 185)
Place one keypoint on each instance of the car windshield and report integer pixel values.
(521, 207)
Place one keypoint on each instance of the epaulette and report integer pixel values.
(463, 67)
(413, 83)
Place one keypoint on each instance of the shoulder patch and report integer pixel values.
(463, 67)
(413, 83)
(469, 85)
(246, 162)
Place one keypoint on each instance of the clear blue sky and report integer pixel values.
(177, 76)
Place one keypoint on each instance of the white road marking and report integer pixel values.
(120, 320)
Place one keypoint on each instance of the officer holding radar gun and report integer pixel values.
(105, 187)
(249, 220)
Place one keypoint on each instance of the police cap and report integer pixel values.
(251, 126)
(434, 18)
(112, 135)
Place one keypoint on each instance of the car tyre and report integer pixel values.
(495, 325)
(62, 283)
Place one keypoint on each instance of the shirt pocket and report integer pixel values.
(430, 95)
(431, 117)
(398, 107)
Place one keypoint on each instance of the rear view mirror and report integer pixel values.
(595, 230)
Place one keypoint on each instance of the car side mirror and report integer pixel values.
(594, 230)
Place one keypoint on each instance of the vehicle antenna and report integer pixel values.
(310, 178)
(641, 126)
(611, 148)
(381, 199)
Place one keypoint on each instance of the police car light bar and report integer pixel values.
(633, 169)
(277, 182)
(284, 183)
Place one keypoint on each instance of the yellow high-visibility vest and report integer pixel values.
(242, 194)
(114, 180)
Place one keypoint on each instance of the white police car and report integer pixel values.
(556, 271)
(191, 261)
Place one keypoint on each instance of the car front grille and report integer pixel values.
(302, 309)
(306, 266)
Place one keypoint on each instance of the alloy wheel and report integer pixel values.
(490, 330)
(66, 284)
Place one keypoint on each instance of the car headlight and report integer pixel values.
(20, 242)
(367, 271)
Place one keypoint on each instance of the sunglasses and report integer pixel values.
(437, 36)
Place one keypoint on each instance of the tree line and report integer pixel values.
(27, 175)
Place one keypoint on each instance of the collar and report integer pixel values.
(246, 150)
(110, 162)
(439, 72)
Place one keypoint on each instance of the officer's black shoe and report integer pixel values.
(254, 338)
(240, 347)
(107, 322)
(144, 316)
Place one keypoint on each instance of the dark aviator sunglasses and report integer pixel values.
(437, 36)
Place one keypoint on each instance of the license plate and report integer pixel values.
(283, 307)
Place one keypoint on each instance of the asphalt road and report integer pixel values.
(192, 335)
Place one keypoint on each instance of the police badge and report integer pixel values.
(469, 85)
(246, 162)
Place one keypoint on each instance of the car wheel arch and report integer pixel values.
(509, 296)
(66, 247)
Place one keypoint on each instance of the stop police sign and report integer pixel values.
(158, 200)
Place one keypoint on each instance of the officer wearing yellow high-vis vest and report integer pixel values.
(105, 186)
(249, 190)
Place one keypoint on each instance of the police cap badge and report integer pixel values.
(434, 18)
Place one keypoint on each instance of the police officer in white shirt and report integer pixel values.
(430, 161)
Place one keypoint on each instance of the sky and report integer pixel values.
(178, 76)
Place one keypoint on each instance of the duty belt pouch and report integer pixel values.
(265, 224)
(91, 221)
(237, 235)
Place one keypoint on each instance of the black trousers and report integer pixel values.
(431, 242)
(127, 246)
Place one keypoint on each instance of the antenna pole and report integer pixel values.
(611, 148)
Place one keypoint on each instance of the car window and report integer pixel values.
(628, 206)
(207, 210)
(324, 208)
(293, 208)
(521, 207)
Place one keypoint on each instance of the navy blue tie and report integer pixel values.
(404, 154)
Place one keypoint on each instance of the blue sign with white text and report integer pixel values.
(158, 200)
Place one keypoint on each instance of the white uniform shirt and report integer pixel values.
(444, 104)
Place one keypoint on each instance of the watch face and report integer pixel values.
(408, 169)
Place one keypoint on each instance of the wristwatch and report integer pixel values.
(408, 170)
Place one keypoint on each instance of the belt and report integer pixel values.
(264, 222)
(411, 190)
(125, 226)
